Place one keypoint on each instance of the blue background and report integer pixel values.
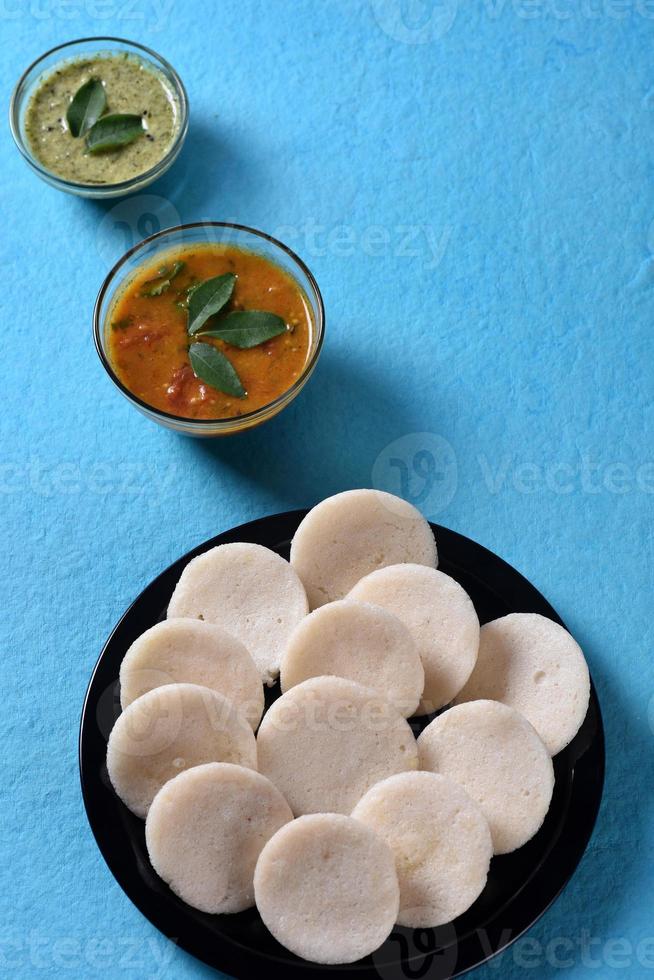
(472, 187)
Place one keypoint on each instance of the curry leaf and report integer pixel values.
(122, 324)
(165, 275)
(155, 287)
(169, 272)
(207, 299)
(113, 131)
(87, 106)
(211, 366)
(182, 304)
(247, 328)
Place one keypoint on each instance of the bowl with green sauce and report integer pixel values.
(99, 117)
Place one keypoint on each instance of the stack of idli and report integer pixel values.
(325, 811)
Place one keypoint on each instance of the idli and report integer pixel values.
(499, 760)
(169, 729)
(328, 740)
(441, 618)
(205, 830)
(351, 534)
(440, 839)
(532, 664)
(193, 652)
(326, 887)
(361, 642)
(249, 591)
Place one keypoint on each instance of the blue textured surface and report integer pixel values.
(472, 188)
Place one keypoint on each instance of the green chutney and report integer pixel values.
(131, 86)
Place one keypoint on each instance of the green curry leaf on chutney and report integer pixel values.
(87, 106)
(113, 131)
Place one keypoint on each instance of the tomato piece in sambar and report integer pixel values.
(147, 338)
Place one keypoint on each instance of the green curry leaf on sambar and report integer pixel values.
(207, 299)
(247, 328)
(211, 366)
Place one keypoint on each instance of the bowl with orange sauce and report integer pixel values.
(209, 328)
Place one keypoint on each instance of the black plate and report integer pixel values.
(520, 885)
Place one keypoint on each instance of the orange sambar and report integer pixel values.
(148, 342)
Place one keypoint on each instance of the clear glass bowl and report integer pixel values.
(86, 47)
(199, 233)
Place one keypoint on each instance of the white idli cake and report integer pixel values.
(326, 888)
(192, 652)
(499, 760)
(327, 741)
(440, 616)
(361, 642)
(169, 729)
(440, 839)
(532, 664)
(350, 825)
(248, 590)
(351, 534)
(205, 830)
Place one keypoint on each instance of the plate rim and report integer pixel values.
(364, 971)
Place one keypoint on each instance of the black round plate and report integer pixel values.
(520, 885)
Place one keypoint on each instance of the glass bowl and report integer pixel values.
(86, 47)
(203, 232)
